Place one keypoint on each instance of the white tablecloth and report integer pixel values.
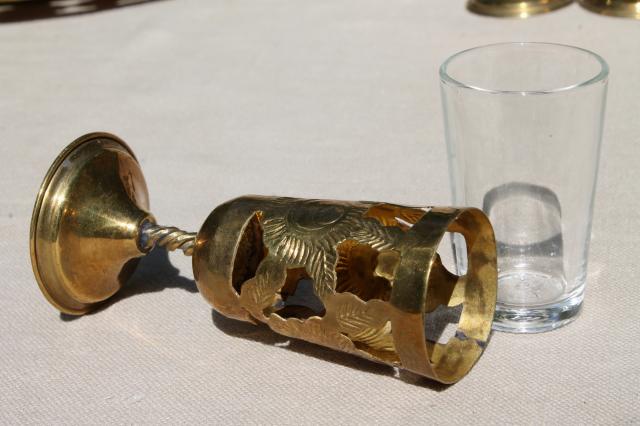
(331, 99)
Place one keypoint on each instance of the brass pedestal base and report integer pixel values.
(620, 8)
(516, 9)
(86, 223)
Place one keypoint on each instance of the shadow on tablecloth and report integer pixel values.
(156, 273)
(27, 10)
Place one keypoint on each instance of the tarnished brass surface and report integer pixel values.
(374, 268)
(514, 8)
(85, 223)
(620, 8)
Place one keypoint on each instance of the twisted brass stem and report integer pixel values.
(169, 237)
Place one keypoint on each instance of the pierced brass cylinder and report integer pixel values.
(515, 8)
(375, 272)
(372, 270)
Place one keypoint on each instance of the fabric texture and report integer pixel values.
(327, 99)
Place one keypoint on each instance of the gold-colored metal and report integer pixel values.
(374, 270)
(86, 221)
(168, 237)
(619, 8)
(514, 8)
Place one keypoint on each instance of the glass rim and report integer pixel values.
(445, 78)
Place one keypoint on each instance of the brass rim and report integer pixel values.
(621, 9)
(66, 152)
(511, 9)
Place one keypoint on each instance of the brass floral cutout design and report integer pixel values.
(360, 277)
(306, 234)
(373, 267)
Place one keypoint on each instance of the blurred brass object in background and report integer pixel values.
(374, 280)
(514, 8)
(620, 8)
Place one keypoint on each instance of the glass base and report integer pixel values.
(514, 319)
(525, 288)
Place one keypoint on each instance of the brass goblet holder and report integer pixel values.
(374, 266)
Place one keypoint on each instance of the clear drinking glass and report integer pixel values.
(523, 127)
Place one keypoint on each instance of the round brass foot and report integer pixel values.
(86, 222)
(513, 8)
(620, 8)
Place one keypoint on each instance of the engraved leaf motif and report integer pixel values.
(261, 292)
(363, 321)
(321, 269)
(306, 234)
(313, 330)
(372, 233)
